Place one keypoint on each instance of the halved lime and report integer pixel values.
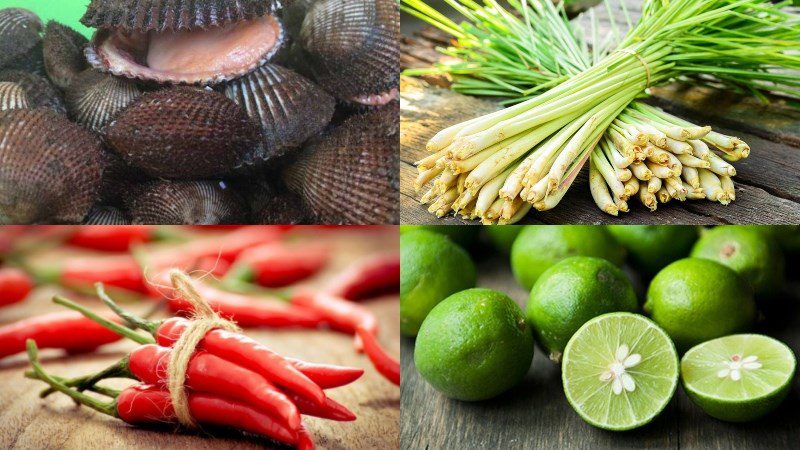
(620, 370)
(738, 378)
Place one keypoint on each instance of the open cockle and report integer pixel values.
(182, 42)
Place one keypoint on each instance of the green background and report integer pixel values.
(67, 12)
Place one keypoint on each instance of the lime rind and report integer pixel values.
(755, 392)
(588, 355)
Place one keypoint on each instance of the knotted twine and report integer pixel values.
(202, 321)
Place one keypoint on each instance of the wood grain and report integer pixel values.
(768, 182)
(26, 422)
(536, 415)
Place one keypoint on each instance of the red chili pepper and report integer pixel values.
(143, 404)
(368, 278)
(384, 363)
(327, 376)
(120, 271)
(213, 375)
(69, 331)
(279, 264)
(304, 441)
(113, 238)
(244, 310)
(340, 314)
(14, 285)
(226, 247)
(246, 352)
(330, 410)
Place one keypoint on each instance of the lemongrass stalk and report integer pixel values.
(549, 151)
(425, 177)
(632, 187)
(719, 166)
(514, 183)
(428, 196)
(521, 212)
(727, 186)
(607, 172)
(490, 192)
(653, 185)
(647, 198)
(659, 156)
(691, 161)
(640, 171)
(442, 205)
(659, 171)
(599, 190)
(554, 198)
(663, 195)
(444, 138)
(710, 184)
(446, 180)
(678, 147)
(699, 149)
(691, 176)
(494, 211)
(460, 182)
(430, 161)
(626, 148)
(677, 185)
(670, 131)
(613, 154)
(694, 194)
(510, 208)
(630, 133)
(654, 135)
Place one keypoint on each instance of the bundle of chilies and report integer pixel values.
(582, 108)
(230, 380)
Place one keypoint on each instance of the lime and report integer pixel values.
(738, 378)
(696, 300)
(540, 246)
(620, 370)
(652, 247)
(464, 236)
(474, 345)
(570, 293)
(755, 256)
(503, 236)
(431, 268)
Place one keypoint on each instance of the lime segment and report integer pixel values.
(738, 378)
(619, 371)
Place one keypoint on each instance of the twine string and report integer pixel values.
(641, 60)
(204, 320)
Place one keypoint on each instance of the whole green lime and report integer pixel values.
(652, 247)
(474, 345)
(465, 236)
(431, 268)
(503, 236)
(572, 292)
(755, 256)
(540, 246)
(695, 300)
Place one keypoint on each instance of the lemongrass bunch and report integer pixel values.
(527, 155)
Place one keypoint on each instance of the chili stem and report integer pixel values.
(117, 328)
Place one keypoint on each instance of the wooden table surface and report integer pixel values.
(536, 414)
(27, 422)
(767, 184)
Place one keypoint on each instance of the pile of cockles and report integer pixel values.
(202, 112)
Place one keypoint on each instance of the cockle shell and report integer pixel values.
(202, 42)
(352, 49)
(94, 98)
(186, 202)
(50, 168)
(185, 133)
(289, 107)
(39, 91)
(352, 175)
(271, 205)
(20, 39)
(105, 215)
(12, 96)
(63, 53)
(171, 15)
